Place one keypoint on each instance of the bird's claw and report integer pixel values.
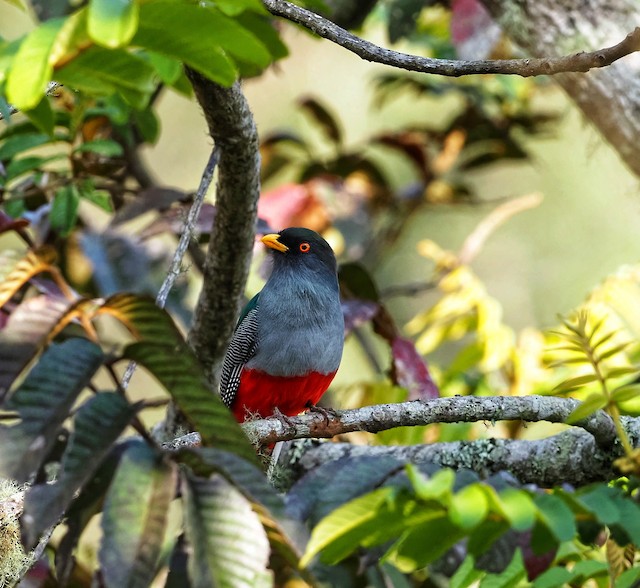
(283, 418)
(325, 412)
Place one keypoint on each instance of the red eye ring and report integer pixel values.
(304, 247)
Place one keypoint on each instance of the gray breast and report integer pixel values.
(300, 327)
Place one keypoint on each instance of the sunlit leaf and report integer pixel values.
(32, 69)
(519, 509)
(134, 518)
(112, 23)
(438, 487)
(613, 351)
(15, 273)
(573, 383)
(591, 404)
(104, 147)
(624, 393)
(339, 533)
(468, 507)
(229, 545)
(96, 426)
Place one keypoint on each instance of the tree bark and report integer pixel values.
(609, 97)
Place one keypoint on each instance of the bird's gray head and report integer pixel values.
(300, 247)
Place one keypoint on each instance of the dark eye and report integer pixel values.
(304, 247)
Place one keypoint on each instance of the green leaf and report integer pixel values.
(519, 508)
(573, 383)
(104, 147)
(601, 502)
(419, 546)
(101, 198)
(32, 69)
(200, 37)
(624, 393)
(96, 427)
(17, 144)
(148, 124)
(622, 371)
(439, 487)
(112, 23)
(134, 519)
(340, 533)
(629, 578)
(167, 68)
(42, 116)
(263, 28)
(468, 507)
(43, 402)
(101, 71)
(229, 545)
(466, 574)
(64, 210)
(556, 516)
(613, 351)
(553, 578)
(236, 7)
(591, 404)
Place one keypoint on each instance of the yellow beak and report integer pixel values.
(271, 241)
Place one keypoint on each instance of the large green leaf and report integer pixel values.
(199, 36)
(22, 142)
(97, 425)
(112, 23)
(106, 71)
(26, 333)
(340, 533)
(229, 546)
(43, 402)
(32, 68)
(556, 516)
(177, 369)
(134, 519)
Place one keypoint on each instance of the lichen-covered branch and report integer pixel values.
(466, 409)
(226, 267)
(548, 65)
(572, 457)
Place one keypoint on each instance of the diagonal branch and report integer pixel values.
(578, 62)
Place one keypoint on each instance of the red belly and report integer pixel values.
(260, 393)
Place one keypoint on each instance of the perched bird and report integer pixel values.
(288, 342)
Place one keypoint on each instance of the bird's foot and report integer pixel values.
(283, 418)
(325, 412)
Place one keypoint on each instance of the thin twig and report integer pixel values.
(578, 62)
(183, 245)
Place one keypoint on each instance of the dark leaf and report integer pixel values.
(27, 330)
(134, 518)
(403, 17)
(43, 402)
(154, 198)
(97, 425)
(357, 312)
(177, 369)
(64, 210)
(321, 115)
(410, 371)
(357, 282)
(411, 145)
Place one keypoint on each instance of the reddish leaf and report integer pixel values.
(534, 563)
(11, 224)
(410, 370)
(473, 32)
(356, 313)
(294, 205)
